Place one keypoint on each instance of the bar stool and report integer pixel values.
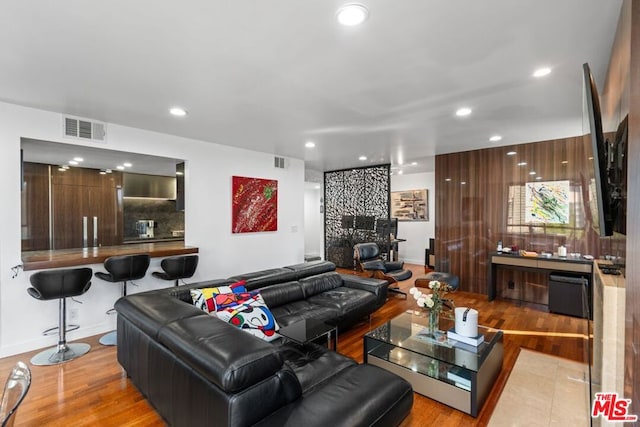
(177, 267)
(122, 268)
(60, 284)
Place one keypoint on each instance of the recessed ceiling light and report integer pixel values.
(495, 138)
(541, 72)
(447, 179)
(564, 162)
(414, 163)
(65, 167)
(352, 14)
(522, 164)
(538, 177)
(362, 158)
(590, 158)
(399, 172)
(463, 112)
(108, 171)
(463, 183)
(120, 167)
(78, 159)
(532, 173)
(177, 111)
(511, 153)
(62, 169)
(127, 165)
(310, 144)
(73, 162)
(102, 173)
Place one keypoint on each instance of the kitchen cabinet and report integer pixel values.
(56, 203)
(82, 195)
(34, 216)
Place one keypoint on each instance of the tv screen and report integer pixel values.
(601, 212)
(347, 221)
(365, 222)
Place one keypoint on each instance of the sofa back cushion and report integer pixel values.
(282, 293)
(314, 285)
(228, 357)
(311, 268)
(259, 279)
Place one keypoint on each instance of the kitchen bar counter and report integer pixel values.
(39, 260)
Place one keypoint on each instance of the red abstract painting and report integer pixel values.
(254, 204)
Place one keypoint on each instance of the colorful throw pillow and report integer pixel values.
(210, 299)
(252, 316)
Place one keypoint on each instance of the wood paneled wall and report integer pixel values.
(473, 205)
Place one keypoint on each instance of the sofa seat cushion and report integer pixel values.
(313, 364)
(344, 300)
(358, 396)
(320, 283)
(228, 357)
(298, 310)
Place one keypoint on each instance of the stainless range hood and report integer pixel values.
(149, 186)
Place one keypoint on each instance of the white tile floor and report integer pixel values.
(544, 390)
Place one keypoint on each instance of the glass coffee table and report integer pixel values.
(308, 330)
(456, 374)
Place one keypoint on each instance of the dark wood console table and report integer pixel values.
(537, 264)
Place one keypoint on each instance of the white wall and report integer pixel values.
(417, 233)
(313, 221)
(209, 168)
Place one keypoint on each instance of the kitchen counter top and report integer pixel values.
(39, 260)
(129, 241)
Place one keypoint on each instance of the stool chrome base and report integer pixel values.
(60, 354)
(109, 339)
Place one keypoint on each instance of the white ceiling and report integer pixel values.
(270, 75)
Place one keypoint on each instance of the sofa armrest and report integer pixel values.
(377, 287)
(394, 265)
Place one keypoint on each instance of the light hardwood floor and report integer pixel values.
(94, 389)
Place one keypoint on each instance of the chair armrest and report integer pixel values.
(394, 265)
(375, 286)
(373, 265)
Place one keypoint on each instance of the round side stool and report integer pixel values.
(122, 268)
(60, 285)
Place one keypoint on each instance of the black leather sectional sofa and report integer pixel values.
(198, 370)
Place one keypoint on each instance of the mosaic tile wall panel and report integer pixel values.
(356, 203)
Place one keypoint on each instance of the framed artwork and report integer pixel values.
(547, 202)
(254, 205)
(410, 205)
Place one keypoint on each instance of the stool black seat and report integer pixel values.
(177, 267)
(60, 284)
(122, 268)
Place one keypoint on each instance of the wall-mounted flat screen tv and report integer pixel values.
(602, 204)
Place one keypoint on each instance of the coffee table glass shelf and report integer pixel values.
(456, 374)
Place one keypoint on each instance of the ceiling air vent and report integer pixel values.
(74, 127)
(279, 162)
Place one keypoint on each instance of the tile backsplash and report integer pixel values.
(163, 212)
